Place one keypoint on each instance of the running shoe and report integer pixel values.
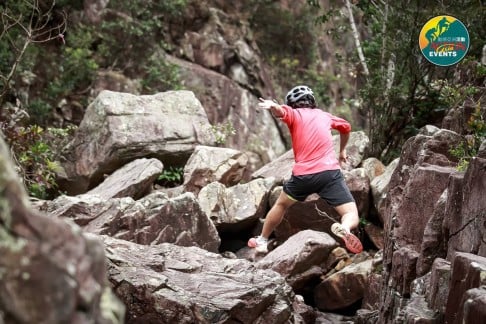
(259, 244)
(351, 241)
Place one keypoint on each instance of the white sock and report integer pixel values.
(346, 228)
(262, 239)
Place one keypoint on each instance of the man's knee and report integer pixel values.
(284, 201)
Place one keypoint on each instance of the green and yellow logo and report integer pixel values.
(444, 40)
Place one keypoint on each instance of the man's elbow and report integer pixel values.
(345, 129)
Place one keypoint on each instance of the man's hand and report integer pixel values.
(266, 104)
(272, 105)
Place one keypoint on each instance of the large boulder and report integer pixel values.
(235, 208)
(135, 179)
(168, 284)
(440, 278)
(297, 255)
(208, 164)
(280, 168)
(418, 181)
(433, 244)
(374, 167)
(475, 307)
(466, 216)
(120, 127)
(455, 224)
(50, 272)
(420, 195)
(379, 188)
(343, 288)
(153, 219)
(415, 186)
(468, 272)
(356, 148)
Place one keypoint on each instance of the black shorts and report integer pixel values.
(330, 186)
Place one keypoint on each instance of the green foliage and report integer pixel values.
(281, 33)
(477, 134)
(24, 23)
(320, 80)
(460, 152)
(39, 110)
(171, 177)
(77, 65)
(133, 30)
(6, 57)
(222, 132)
(74, 72)
(160, 75)
(12, 40)
(401, 93)
(35, 153)
(289, 42)
(126, 40)
(363, 221)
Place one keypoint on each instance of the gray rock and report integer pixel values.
(119, 127)
(468, 272)
(228, 105)
(298, 254)
(135, 179)
(379, 188)
(169, 284)
(344, 287)
(50, 272)
(154, 219)
(235, 208)
(208, 164)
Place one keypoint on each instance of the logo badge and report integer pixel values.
(444, 40)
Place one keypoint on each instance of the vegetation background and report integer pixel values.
(50, 56)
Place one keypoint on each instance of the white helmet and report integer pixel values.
(300, 93)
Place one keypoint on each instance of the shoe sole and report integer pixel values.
(351, 241)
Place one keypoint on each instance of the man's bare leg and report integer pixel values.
(276, 214)
(349, 215)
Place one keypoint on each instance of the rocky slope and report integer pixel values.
(120, 248)
(178, 254)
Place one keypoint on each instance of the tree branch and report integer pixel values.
(357, 40)
(35, 29)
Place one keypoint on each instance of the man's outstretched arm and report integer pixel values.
(273, 106)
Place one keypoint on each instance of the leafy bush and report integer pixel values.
(77, 66)
(24, 23)
(222, 131)
(133, 30)
(171, 177)
(58, 71)
(288, 41)
(35, 152)
(160, 75)
(39, 110)
(468, 149)
(283, 34)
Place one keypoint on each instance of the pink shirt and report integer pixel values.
(312, 138)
